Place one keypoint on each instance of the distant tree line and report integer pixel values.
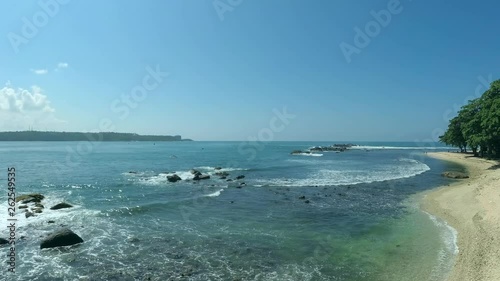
(477, 125)
(76, 136)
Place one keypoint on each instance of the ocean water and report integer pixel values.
(361, 220)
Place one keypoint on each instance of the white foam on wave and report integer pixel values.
(215, 194)
(328, 177)
(96, 230)
(450, 236)
(161, 178)
(370, 147)
(309, 154)
(209, 168)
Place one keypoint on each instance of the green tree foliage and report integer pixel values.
(477, 125)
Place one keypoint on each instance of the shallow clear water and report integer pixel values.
(361, 222)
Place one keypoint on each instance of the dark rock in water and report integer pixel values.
(218, 168)
(62, 237)
(240, 177)
(29, 198)
(132, 172)
(29, 214)
(223, 178)
(38, 205)
(173, 178)
(307, 201)
(222, 174)
(61, 206)
(3, 241)
(201, 177)
(195, 172)
(23, 207)
(37, 210)
(302, 197)
(455, 175)
(229, 180)
(51, 222)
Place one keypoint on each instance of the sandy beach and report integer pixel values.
(472, 207)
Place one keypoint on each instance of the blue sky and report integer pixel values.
(232, 63)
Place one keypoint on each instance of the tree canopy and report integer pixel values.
(477, 125)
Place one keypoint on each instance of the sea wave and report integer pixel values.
(370, 147)
(309, 154)
(334, 177)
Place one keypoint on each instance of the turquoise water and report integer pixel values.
(361, 221)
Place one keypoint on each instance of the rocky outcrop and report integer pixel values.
(201, 177)
(61, 206)
(62, 237)
(455, 175)
(195, 172)
(222, 174)
(30, 198)
(173, 178)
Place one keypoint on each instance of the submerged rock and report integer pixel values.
(33, 197)
(201, 177)
(23, 207)
(240, 177)
(222, 174)
(173, 178)
(3, 241)
(455, 175)
(218, 168)
(61, 206)
(62, 237)
(195, 172)
(28, 214)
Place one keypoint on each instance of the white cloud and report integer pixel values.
(62, 65)
(21, 109)
(22, 100)
(39, 71)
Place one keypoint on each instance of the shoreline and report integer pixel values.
(472, 207)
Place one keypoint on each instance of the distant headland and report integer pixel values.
(79, 136)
